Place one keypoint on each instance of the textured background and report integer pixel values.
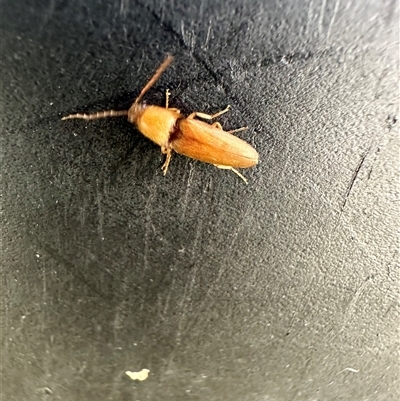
(284, 289)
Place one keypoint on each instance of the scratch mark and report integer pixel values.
(124, 7)
(321, 16)
(360, 290)
(76, 272)
(181, 38)
(353, 179)
(300, 305)
(350, 311)
(208, 299)
(392, 262)
(168, 298)
(44, 309)
(188, 38)
(48, 15)
(99, 211)
(208, 35)
(185, 302)
(183, 34)
(117, 323)
(147, 228)
(189, 183)
(309, 16)
(349, 370)
(183, 308)
(332, 19)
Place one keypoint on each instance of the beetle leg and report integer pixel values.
(168, 152)
(237, 130)
(208, 116)
(232, 169)
(167, 95)
(217, 125)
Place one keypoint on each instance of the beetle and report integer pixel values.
(188, 136)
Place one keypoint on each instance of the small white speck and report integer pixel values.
(142, 375)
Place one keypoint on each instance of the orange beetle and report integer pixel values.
(185, 135)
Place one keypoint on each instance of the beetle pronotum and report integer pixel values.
(185, 135)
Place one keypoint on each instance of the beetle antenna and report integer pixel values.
(95, 116)
(165, 64)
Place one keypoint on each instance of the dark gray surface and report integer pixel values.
(285, 289)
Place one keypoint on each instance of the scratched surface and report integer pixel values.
(284, 289)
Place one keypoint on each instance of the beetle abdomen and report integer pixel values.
(201, 141)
